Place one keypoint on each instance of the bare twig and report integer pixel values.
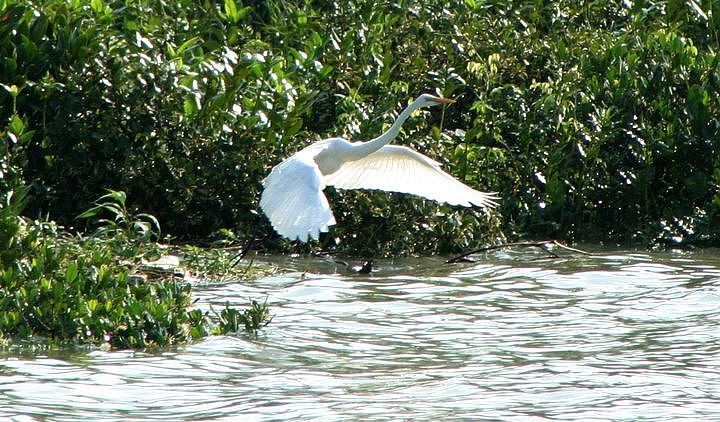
(245, 249)
(544, 245)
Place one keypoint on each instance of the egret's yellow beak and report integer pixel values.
(444, 100)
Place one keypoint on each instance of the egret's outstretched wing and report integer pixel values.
(400, 169)
(293, 200)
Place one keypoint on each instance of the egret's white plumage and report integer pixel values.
(293, 200)
(396, 168)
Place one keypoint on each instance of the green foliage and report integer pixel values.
(593, 120)
(617, 140)
(251, 319)
(217, 263)
(79, 290)
(14, 134)
(143, 226)
(129, 235)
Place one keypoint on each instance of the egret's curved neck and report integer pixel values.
(362, 149)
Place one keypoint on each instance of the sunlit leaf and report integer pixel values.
(16, 124)
(71, 272)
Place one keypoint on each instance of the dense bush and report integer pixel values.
(59, 289)
(594, 120)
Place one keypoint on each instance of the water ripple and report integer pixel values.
(621, 336)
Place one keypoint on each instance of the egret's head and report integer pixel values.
(429, 100)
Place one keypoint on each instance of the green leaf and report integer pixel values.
(231, 11)
(189, 44)
(92, 212)
(11, 89)
(71, 272)
(17, 126)
(326, 70)
(10, 65)
(190, 106)
(38, 28)
(435, 132)
(98, 6)
(25, 137)
(119, 196)
(92, 304)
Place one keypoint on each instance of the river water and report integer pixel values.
(617, 336)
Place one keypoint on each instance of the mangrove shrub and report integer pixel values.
(593, 120)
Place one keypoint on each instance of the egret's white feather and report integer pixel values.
(292, 195)
(293, 200)
(400, 169)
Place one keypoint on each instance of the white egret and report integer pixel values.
(293, 196)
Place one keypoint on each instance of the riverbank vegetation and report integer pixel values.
(106, 288)
(595, 121)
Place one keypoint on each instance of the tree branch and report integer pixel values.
(544, 245)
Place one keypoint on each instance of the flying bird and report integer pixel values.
(293, 197)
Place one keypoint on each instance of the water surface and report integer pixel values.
(620, 336)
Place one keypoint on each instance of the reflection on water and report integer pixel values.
(619, 336)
